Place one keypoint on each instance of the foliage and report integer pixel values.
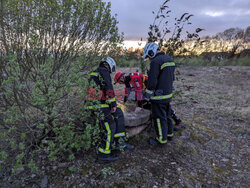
(107, 172)
(233, 37)
(46, 49)
(171, 41)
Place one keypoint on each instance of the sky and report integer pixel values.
(135, 16)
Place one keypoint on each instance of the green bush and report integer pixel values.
(43, 77)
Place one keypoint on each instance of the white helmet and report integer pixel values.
(150, 50)
(111, 63)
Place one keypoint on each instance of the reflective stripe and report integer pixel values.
(119, 134)
(149, 91)
(161, 97)
(171, 134)
(160, 132)
(108, 136)
(111, 100)
(94, 74)
(104, 151)
(168, 64)
(97, 106)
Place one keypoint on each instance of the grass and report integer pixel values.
(190, 61)
(199, 61)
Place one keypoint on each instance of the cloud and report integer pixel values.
(135, 16)
(214, 13)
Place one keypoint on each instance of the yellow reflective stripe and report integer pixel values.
(159, 128)
(97, 106)
(161, 97)
(94, 74)
(160, 132)
(119, 134)
(168, 64)
(104, 151)
(149, 91)
(171, 134)
(111, 100)
(108, 136)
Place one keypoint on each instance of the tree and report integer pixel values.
(171, 40)
(44, 47)
(247, 35)
(231, 40)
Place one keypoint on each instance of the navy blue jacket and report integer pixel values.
(102, 78)
(160, 79)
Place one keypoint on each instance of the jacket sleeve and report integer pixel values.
(127, 92)
(109, 91)
(152, 78)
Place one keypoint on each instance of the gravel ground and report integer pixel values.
(211, 152)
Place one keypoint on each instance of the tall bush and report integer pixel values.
(172, 40)
(46, 49)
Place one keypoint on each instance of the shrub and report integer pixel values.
(43, 77)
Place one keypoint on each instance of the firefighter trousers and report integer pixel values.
(161, 115)
(113, 128)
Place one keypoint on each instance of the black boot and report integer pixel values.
(106, 158)
(178, 126)
(155, 142)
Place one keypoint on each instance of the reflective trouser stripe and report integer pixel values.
(168, 64)
(162, 97)
(97, 106)
(119, 134)
(94, 74)
(111, 100)
(171, 135)
(107, 148)
(149, 91)
(160, 132)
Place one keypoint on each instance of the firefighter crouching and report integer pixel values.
(133, 82)
(113, 122)
(138, 82)
(159, 92)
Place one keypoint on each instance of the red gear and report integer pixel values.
(118, 76)
(136, 82)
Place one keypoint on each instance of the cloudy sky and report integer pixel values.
(214, 16)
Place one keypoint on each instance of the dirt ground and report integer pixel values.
(213, 150)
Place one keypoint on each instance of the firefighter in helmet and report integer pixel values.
(138, 82)
(160, 91)
(113, 122)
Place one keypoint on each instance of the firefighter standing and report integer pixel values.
(138, 82)
(159, 91)
(113, 122)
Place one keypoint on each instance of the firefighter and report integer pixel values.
(113, 122)
(133, 82)
(138, 82)
(159, 92)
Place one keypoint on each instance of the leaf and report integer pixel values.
(189, 16)
(198, 30)
(182, 16)
(166, 2)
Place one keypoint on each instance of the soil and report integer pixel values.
(212, 151)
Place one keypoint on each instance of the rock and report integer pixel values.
(19, 170)
(33, 175)
(135, 130)
(133, 119)
(44, 182)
